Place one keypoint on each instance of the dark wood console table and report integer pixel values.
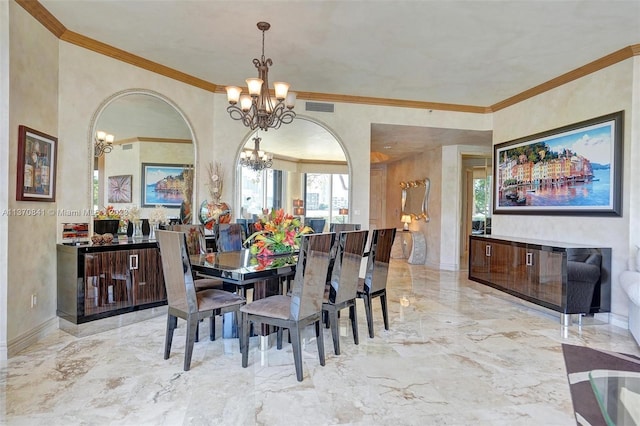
(536, 271)
(96, 282)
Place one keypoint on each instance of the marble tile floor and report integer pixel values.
(457, 353)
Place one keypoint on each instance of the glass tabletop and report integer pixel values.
(618, 395)
(242, 266)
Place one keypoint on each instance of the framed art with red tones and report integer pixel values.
(36, 171)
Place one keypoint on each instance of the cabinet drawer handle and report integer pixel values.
(487, 250)
(133, 261)
(529, 259)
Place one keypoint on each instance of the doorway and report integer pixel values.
(476, 201)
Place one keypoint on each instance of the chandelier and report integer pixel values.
(103, 143)
(255, 159)
(258, 109)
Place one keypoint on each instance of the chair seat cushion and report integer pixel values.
(207, 283)
(277, 306)
(217, 299)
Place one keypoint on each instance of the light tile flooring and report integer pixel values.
(457, 353)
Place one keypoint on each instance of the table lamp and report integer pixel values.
(407, 220)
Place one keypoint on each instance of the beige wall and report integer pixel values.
(4, 172)
(426, 165)
(597, 94)
(58, 88)
(33, 102)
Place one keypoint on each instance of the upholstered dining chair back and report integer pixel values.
(317, 224)
(346, 267)
(379, 258)
(309, 283)
(176, 266)
(229, 237)
(340, 227)
(196, 242)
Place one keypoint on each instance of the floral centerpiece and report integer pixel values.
(107, 213)
(277, 233)
(107, 221)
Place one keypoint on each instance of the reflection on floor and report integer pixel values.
(457, 353)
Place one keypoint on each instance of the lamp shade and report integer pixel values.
(406, 219)
(298, 211)
(343, 211)
(298, 203)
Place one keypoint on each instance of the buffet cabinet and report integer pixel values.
(534, 270)
(95, 282)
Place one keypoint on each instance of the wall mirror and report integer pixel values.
(148, 130)
(415, 199)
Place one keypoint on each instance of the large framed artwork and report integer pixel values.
(572, 170)
(162, 184)
(119, 189)
(36, 171)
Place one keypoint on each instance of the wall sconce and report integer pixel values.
(298, 207)
(407, 220)
(103, 143)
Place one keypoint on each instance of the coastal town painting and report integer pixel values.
(162, 184)
(572, 170)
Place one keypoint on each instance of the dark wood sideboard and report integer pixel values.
(535, 270)
(99, 281)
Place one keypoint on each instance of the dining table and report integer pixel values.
(241, 270)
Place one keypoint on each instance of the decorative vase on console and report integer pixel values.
(137, 229)
(187, 195)
(214, 211)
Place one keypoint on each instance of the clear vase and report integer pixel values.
(137, 230)
(152, 232)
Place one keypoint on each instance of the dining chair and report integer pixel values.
(339, 227)
(183, 299)
(374, 283)
(317, 224)
(341, 292)
(196, 244)
(303, 307)
(229, 237)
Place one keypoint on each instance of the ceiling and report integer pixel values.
(473, 53)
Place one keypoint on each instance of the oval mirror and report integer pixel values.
(152, 141)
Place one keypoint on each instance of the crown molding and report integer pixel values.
(591, 67)
(42, 15)
(149, 139)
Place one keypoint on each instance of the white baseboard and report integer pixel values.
(32, 336)
(449, 266)
(614, 319)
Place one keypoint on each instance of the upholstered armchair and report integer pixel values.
(583, 274)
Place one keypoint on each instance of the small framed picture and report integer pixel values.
(36, 179)
(120, 189)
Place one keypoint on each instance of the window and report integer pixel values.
(325, 195)
(260, 190)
